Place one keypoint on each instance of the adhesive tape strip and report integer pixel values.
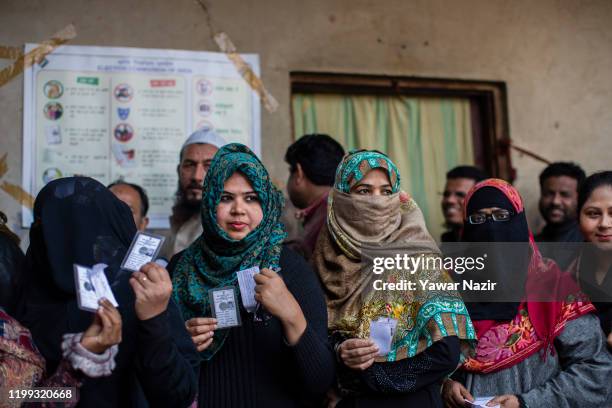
(37, 54)
(226, 46)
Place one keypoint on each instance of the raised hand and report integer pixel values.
(105, 329)
(201, 330)
(153, 287)
(272, 293)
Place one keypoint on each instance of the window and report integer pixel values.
(427, 126)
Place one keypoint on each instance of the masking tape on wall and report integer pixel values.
(10, 52)
(37, 54)
(226, 46)
(13, 190)
(18, 194)
(3, 165)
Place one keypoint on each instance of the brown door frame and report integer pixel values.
(491, 97)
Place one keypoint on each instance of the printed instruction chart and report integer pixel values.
(111, 113)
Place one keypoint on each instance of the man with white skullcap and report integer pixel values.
(196, 155)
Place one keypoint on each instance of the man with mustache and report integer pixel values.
(195, 158)
(558, 201)
(136, 198)
(459, 180)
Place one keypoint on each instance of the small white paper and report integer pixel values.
(118, 153)
(86, 292)
(54, 134)
(246, 282)
(224, 307)
(382, 331)
(144, 248)
(92, 286)
(161, 262)
(480, 402)
(99, 281)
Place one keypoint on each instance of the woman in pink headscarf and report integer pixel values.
(530, 353)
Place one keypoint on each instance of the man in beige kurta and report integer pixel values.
(195, 158)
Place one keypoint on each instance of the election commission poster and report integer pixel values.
(112, 113)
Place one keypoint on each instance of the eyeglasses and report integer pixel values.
(497, 216)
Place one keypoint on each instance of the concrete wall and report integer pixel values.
(555, 55)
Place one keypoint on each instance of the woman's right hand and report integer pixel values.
(201, 330)
(454, 394)
(358, 354)
(105, 330)
(153, 287)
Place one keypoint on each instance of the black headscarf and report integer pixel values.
(509, 271)
(76, 220)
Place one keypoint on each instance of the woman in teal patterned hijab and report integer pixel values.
(212, 260)
(279, 354)
(358, 163)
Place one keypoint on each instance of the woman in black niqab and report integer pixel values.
(79, 221)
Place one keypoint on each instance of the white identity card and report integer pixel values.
(246, 282)
(224, 307)
(480, 402)
(382, 331)
(144, 248)
(92, 286)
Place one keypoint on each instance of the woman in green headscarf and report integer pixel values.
(369, 219)
(279, 355)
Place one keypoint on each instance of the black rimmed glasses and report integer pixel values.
(497, 216)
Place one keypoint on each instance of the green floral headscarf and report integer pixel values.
(357, 163)
(214, 258)
(360, 227)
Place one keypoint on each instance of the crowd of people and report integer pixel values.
(314, 337)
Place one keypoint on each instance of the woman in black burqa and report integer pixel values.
(78, 221)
